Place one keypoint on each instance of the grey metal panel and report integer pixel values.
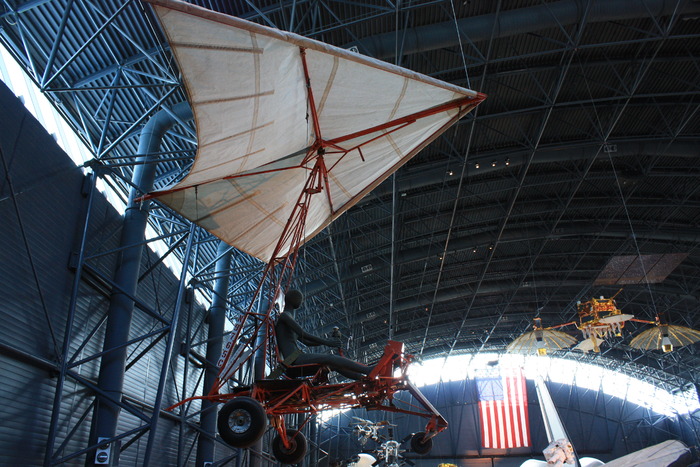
(41, 210)
(39, 196)
(25, 410)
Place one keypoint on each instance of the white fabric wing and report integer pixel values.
(247, 85)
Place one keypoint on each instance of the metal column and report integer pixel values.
(258, 371)
(111, 377)
(89, 188)
(216, 319)
(167, 355)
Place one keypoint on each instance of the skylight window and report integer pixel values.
(38, 105)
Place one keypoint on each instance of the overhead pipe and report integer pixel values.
(216, 319)
(121, 307)
(521, 21)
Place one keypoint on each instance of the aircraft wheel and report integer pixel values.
(241, 422)
(296, 451)
(419, 446)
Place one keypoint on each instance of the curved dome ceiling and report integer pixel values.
(585, 151)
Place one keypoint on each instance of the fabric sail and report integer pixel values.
(503, 410)
(259, 126)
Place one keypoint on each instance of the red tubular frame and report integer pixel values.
(374, 392)
(311, 395)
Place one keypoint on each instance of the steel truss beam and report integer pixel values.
(92, 90)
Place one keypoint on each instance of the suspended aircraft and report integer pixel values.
(291, 133)
(601, 318)
(389, 454)
(389, 451)
(598, 318)
(366, 430)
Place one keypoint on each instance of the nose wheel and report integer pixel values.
(241, 422)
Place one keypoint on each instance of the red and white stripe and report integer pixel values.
(505, 423)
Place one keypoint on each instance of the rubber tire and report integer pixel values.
(421, 447)
(247, 411)
(295, 454)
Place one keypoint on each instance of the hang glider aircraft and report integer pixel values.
(291, 133)
(271, 108)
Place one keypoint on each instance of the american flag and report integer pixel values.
(503, 410)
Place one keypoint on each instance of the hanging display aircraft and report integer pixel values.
(598, 319)
(291, 133)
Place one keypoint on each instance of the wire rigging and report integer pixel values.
(634, 236)
(459, 41)
(459, 188)
(622, 198)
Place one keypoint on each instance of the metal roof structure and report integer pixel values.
(586, 150)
